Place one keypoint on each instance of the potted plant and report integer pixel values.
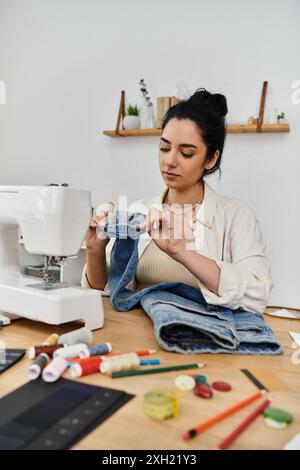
(132, 119)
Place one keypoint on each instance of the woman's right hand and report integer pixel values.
(96, 242)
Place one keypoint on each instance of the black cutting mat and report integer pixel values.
(42, 416)
(9, 357)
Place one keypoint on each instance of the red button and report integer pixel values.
(203, 390)
(221, 386)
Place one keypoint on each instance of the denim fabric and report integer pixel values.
(123, 224)
(183, 321)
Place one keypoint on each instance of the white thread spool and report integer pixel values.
(70, 351)
(54, 370)
(82, 335)
(119, 363)
(5, 320)
(75, 371)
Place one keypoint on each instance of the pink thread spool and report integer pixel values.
(54, 370)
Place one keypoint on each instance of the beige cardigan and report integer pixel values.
(227, 231)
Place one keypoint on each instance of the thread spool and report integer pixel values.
(98, 349)
(54, 370)
(82, 335)
(145, 352)
(79, 359)
(4, 320)
(120, 363)
(161, 405)
(35, 351)
(51, 339)
(70, 351)
(80, 370)
(86, 360)
(37, 367)
(86, 366)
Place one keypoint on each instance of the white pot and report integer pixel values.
(131, 122)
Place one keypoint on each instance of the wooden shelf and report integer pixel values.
(131, 133)
(252, 128)
(231, 129)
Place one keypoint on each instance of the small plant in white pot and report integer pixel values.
(132, 119)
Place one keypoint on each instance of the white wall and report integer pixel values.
(65, 62)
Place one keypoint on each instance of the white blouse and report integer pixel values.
(225, 230)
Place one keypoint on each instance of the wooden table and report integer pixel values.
(130, 428)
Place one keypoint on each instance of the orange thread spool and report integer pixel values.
(85, 367)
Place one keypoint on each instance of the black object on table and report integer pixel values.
(8, 357)
(42, 416)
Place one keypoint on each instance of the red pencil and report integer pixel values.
(220, 416)
(244, 424)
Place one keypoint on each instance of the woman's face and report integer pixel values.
(182, 154)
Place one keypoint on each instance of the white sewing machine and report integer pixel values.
(53, 221)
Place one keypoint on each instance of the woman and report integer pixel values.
(220, 248)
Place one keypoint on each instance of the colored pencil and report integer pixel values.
(220, 416)
(147, 362)
(244, 424)
(156, 370)
(144, 352)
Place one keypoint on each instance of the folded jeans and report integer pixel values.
(183, 321)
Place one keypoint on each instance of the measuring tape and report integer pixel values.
(161, 405)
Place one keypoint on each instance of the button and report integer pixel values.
(191, 225)
(203, 390)
(200, 379)
(161, 405)
(221, 386)
(275, 424)
(185, 382)
(278, 415)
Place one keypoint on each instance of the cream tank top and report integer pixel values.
(156, 266)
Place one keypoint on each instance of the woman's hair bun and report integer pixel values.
(215, 102)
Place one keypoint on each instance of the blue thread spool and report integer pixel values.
(97, 350)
